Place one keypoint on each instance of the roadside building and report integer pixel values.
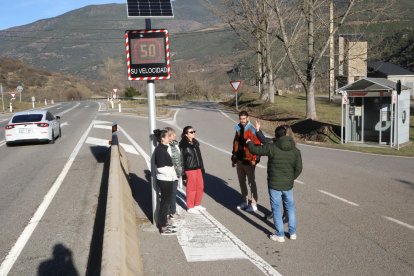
(392, 72)
(369, 112)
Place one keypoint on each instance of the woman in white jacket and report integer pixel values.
(166, 176)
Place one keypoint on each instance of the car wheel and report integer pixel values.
(52, 141)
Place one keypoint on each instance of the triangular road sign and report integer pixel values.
(235, 85)
(12, 95)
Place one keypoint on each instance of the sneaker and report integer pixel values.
(242, 206)
(273, 237)
(199, 208)
(193, 211)
(174, 216)
(292, 237)
(252, 208)
(165, 231)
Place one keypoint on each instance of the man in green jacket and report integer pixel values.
(283, 167)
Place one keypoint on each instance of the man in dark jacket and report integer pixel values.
(283, 167)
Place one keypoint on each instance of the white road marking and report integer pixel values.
(299, 182)
(86, 106)
(103, 127)
(97, 142)
(14, 253)
(106, 114)
(59, 108)
(102, 122)
(227, 116)
(224, 232)
(2, 143)
(64, 124)
(137, 147)
(68, 110)
(400, 222)
(339, 198)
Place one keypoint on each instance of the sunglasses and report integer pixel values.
(192, 132)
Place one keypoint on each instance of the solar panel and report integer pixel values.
(149, 8)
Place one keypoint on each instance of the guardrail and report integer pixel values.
(120, 253)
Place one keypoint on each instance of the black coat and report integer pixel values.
(191, 153)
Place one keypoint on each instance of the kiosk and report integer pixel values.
(369, 107)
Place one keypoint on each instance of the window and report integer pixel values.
(27, 118)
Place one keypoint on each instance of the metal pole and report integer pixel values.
(2, 98)
(342, 119)
(237, 105)
(152, 126)
(397, 116)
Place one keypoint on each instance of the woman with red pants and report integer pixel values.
(193, 168)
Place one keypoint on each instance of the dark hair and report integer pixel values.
(159, 134)
(243, 113)
(280, 131)
(185, 131)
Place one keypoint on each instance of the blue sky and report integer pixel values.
(20, 12)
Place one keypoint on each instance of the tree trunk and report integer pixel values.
(269, 66)
(310, 73)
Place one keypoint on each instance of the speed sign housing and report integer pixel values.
(148, 55)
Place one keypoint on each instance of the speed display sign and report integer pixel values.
(148, 56)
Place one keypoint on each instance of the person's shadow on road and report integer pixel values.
(61, 263)
(222, 193)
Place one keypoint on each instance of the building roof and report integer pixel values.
(387, 68)
(372, 85)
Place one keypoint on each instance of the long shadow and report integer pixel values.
(101, 154)
(60, 263)
(141, 191)
(229, 198)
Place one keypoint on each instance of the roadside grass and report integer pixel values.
(290, 109)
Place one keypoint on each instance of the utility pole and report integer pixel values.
(331, 52)
(2, 98)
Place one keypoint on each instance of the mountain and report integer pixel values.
(83, 42)
(79, 41)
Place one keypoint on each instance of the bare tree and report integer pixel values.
(251, 21)
(294, 17)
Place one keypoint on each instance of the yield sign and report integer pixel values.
(12, 95)
(115, 89)
(235, 85)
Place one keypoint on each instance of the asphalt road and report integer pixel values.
(355, 211)
(59, 239)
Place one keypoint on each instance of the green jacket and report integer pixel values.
(284, 164)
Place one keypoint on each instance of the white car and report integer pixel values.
(32, 126)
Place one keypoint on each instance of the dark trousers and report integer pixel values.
(173, 206)
(166, 188)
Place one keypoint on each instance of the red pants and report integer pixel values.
(195, 187)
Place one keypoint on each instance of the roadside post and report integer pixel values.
(236, 84)
(2, 98)
(11, 101)
(20, 90)
(343, 102)
(397, 115)
(33, 101)
(148, 59)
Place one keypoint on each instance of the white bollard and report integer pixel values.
(112, 104)
(11, 108)
(33, 104)
(45, 102)
(119, 107)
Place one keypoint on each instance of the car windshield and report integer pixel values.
(27, 118)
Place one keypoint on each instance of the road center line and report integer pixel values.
(14, 253)
(340, 198)
(399, 222)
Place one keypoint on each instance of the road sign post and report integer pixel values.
(20, 90)
(2, 98)
(236, 84)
